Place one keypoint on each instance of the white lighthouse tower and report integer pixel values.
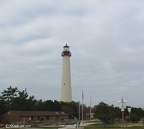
(66, 94)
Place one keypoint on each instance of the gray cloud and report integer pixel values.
(105, 38)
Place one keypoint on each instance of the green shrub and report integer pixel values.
(135, 118)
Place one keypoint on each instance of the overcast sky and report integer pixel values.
(106, 39)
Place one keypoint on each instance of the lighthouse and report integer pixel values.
(66, 94)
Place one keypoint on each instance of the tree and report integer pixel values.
(31, 103)
(20, 102)
(134, 117)
(138, 111)
(67, 109)
(104, 112)
(3, 106)
(48, 105)
(13, 99)
(8, 96)
(70, 108)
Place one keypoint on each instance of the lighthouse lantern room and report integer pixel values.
(66, 51)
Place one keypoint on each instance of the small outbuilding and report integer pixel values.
(33, 117)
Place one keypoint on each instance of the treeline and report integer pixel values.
(13, 99)
(110, 114)
(16, 100)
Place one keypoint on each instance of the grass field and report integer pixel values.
(95, 125)
(115, 126)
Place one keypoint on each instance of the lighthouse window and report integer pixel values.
(66, 49)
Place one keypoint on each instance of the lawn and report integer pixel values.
(115, 126)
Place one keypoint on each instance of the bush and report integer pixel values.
(135, 118)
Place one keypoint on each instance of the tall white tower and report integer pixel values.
(66, 94)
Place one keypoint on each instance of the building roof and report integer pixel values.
(66, 46)
(38, 113)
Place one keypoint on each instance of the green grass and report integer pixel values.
(98, 126)
(115, 126)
